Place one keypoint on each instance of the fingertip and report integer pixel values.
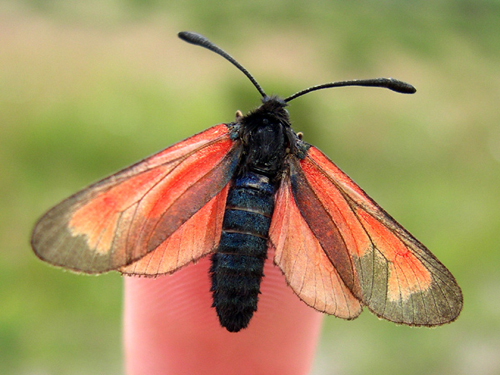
(170, 328)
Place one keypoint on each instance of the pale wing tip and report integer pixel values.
(427, 314)
(57, 247)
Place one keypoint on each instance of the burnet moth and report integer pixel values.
(236, 190)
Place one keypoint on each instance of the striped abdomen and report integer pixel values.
(237, 266)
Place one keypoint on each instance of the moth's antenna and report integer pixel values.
(388, 83)
(201, 41)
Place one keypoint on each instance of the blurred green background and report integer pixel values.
(88, 87)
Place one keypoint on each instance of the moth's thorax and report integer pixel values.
(266, 136)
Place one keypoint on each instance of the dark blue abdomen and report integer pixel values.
(237, 266)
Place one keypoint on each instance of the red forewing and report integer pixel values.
(382, 265)
(122, 218)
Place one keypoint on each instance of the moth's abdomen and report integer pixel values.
(237, 266)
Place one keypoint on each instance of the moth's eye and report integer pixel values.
(265, 121)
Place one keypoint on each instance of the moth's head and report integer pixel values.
(273, 103)
(271, 111)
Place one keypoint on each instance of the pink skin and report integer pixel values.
(170, 328)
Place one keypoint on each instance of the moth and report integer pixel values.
(236, 190)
